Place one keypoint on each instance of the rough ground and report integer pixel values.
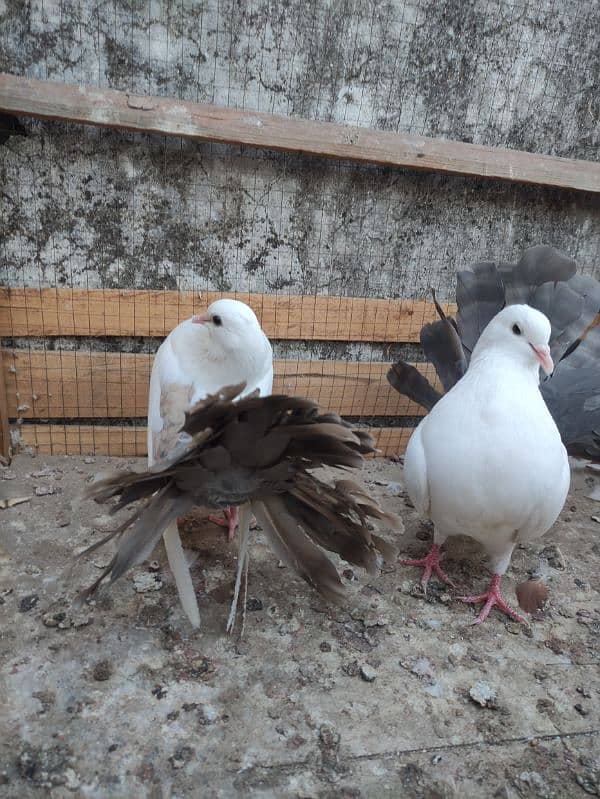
(123, 699)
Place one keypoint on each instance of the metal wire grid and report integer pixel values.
(232, 219)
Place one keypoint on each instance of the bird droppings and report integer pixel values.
(483, 694)
(145, 581)
(299, 668)
(181, 756)
(554, 557)
(422, 667)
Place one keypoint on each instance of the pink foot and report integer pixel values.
(492, 597)
(430, 563)
(229, 519)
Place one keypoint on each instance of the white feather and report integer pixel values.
(488, 461)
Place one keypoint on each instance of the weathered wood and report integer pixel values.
(116, 109)
(4, 426)
(71, 385)
(114, 312)
(57, 439)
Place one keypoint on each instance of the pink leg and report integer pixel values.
(430, 563)
(492, 597)
(229, 519)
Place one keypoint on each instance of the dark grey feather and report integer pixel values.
(407, 380)
(547, 280)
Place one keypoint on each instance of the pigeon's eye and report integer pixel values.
(217, 320)
(516, 330)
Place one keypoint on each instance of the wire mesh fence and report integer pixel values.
(111, 238)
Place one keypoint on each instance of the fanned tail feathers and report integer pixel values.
(262, 451)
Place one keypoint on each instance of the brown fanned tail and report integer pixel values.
(258, 450)
(139, 534)
(295, 549)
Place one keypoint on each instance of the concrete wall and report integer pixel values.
(94, 208)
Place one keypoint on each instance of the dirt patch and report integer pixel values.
(392, 694)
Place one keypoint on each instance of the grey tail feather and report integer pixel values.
(295, 549)
(407, 380)
(138, 540)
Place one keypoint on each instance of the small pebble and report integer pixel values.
(581, 710)
(43, 491)
(27, 603)
(324, 646)
(253, 605)
(367, 673)
(102, 670)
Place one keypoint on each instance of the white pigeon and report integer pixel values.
(488, 460)
(221, 347)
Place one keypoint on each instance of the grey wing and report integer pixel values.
(572, 395)
(442, 345)
(479, 297)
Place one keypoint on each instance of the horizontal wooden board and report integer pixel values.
(113, 312)
(53, 385)
(117, 109)
(57, 439)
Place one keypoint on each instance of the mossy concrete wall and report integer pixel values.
(84, 207)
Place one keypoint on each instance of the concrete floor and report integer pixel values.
(393, 694)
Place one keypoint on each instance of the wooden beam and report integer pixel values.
(72, 385)
(127, 442)
(115, 109)
(113, 312)
(4, 426)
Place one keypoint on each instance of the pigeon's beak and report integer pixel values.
(543, 355)
(201, 318)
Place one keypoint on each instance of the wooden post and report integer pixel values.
(4, 427)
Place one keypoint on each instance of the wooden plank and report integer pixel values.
(4, 426)
(114, 312)
(127, 442)
(59, 385)
(116, 109)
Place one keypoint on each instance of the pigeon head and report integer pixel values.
(522, 332)
(229, 323)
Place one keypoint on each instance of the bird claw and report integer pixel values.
(229, 519)
(492, 597)
(431, 565)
